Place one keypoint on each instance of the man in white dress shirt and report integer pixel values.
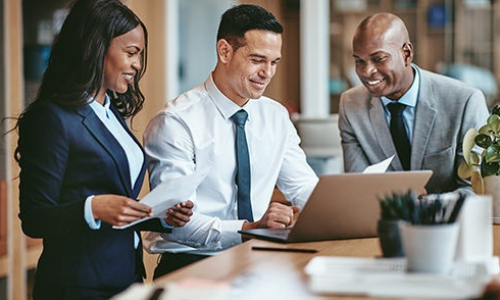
(248, 50)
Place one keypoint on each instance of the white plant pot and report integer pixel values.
(492, 187)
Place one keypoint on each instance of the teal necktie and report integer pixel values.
(243, 167)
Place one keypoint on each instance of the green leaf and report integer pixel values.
(492, 154)
(496, 110)
(494, 123)
(485, 129)
(483, 140)
(488, 169)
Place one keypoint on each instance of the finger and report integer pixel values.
(140, 207)
(187, 204)
(178, 216)
(295, 208)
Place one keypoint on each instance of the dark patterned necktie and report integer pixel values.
(399, 135)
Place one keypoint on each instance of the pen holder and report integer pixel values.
(429, 248)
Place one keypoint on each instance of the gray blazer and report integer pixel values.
(446, 108)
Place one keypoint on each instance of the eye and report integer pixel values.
(359, 62)
(256, 60)
(379, 59)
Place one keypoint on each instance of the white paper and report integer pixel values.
(380, 167)
(176, 190)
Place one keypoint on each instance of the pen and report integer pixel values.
(284, 249)
(156, 293)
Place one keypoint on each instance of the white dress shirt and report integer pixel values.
(200, 118)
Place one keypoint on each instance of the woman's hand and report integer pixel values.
(180, 214)
(118, 210)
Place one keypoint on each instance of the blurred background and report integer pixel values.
(458, 38)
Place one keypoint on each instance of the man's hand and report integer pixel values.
(277, 215)
(179, 214)
(491, 291)
(118, 210)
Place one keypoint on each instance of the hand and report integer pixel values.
(491, 291)
(118, 210)
(179, 214)
(277, 216)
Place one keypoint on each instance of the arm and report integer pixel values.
(296, 179)
(44, 150)
(355, 159)
(171, 153)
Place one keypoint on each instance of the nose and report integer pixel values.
(267, 70)
(136, 64)
(366, 70)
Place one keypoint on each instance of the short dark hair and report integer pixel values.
(237, 20)
(76, 65)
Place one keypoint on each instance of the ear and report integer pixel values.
(408, 53)
(224, 50)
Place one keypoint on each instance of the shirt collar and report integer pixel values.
(101, 110)
(410, 97)
(226, 107)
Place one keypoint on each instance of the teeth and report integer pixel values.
(374, 82)
(129, 77)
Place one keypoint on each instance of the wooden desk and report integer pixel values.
(280, 275)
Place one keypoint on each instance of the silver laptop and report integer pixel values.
(344, 206)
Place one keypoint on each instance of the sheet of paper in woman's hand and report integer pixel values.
(175, 190)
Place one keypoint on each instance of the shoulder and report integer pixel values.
(443, 84)
(355, 97)
(176, 113)
(271, 106)
(44, 113)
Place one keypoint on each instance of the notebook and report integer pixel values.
(344, 206)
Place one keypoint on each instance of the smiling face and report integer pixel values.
(245, 73)
(383, 54)
(123, 60)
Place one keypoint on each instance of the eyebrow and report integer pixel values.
(135, 47)
(263, 56)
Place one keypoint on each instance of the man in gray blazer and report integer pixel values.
(437, 110)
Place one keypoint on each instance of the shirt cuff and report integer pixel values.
(164, 224)
(230, 236)
(89, 215)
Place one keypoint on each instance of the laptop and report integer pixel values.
(344, 206)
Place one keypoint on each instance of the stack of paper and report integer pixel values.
(387, 277)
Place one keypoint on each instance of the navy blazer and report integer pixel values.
(66, 156)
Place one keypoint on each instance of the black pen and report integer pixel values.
(156, 293)
(284, 249)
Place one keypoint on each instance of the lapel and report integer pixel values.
(382, 132)
(140, 178)
(425, 116)
(109, 143)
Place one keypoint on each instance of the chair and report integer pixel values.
(320, 140)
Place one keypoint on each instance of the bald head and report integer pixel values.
(383, 55)
(382, 26)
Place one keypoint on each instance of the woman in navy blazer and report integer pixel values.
(81, 167)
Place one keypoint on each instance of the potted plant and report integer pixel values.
(393, 209)
(479, 166)
(483, 168)
(400, 208)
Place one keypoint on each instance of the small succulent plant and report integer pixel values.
(421, 211)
